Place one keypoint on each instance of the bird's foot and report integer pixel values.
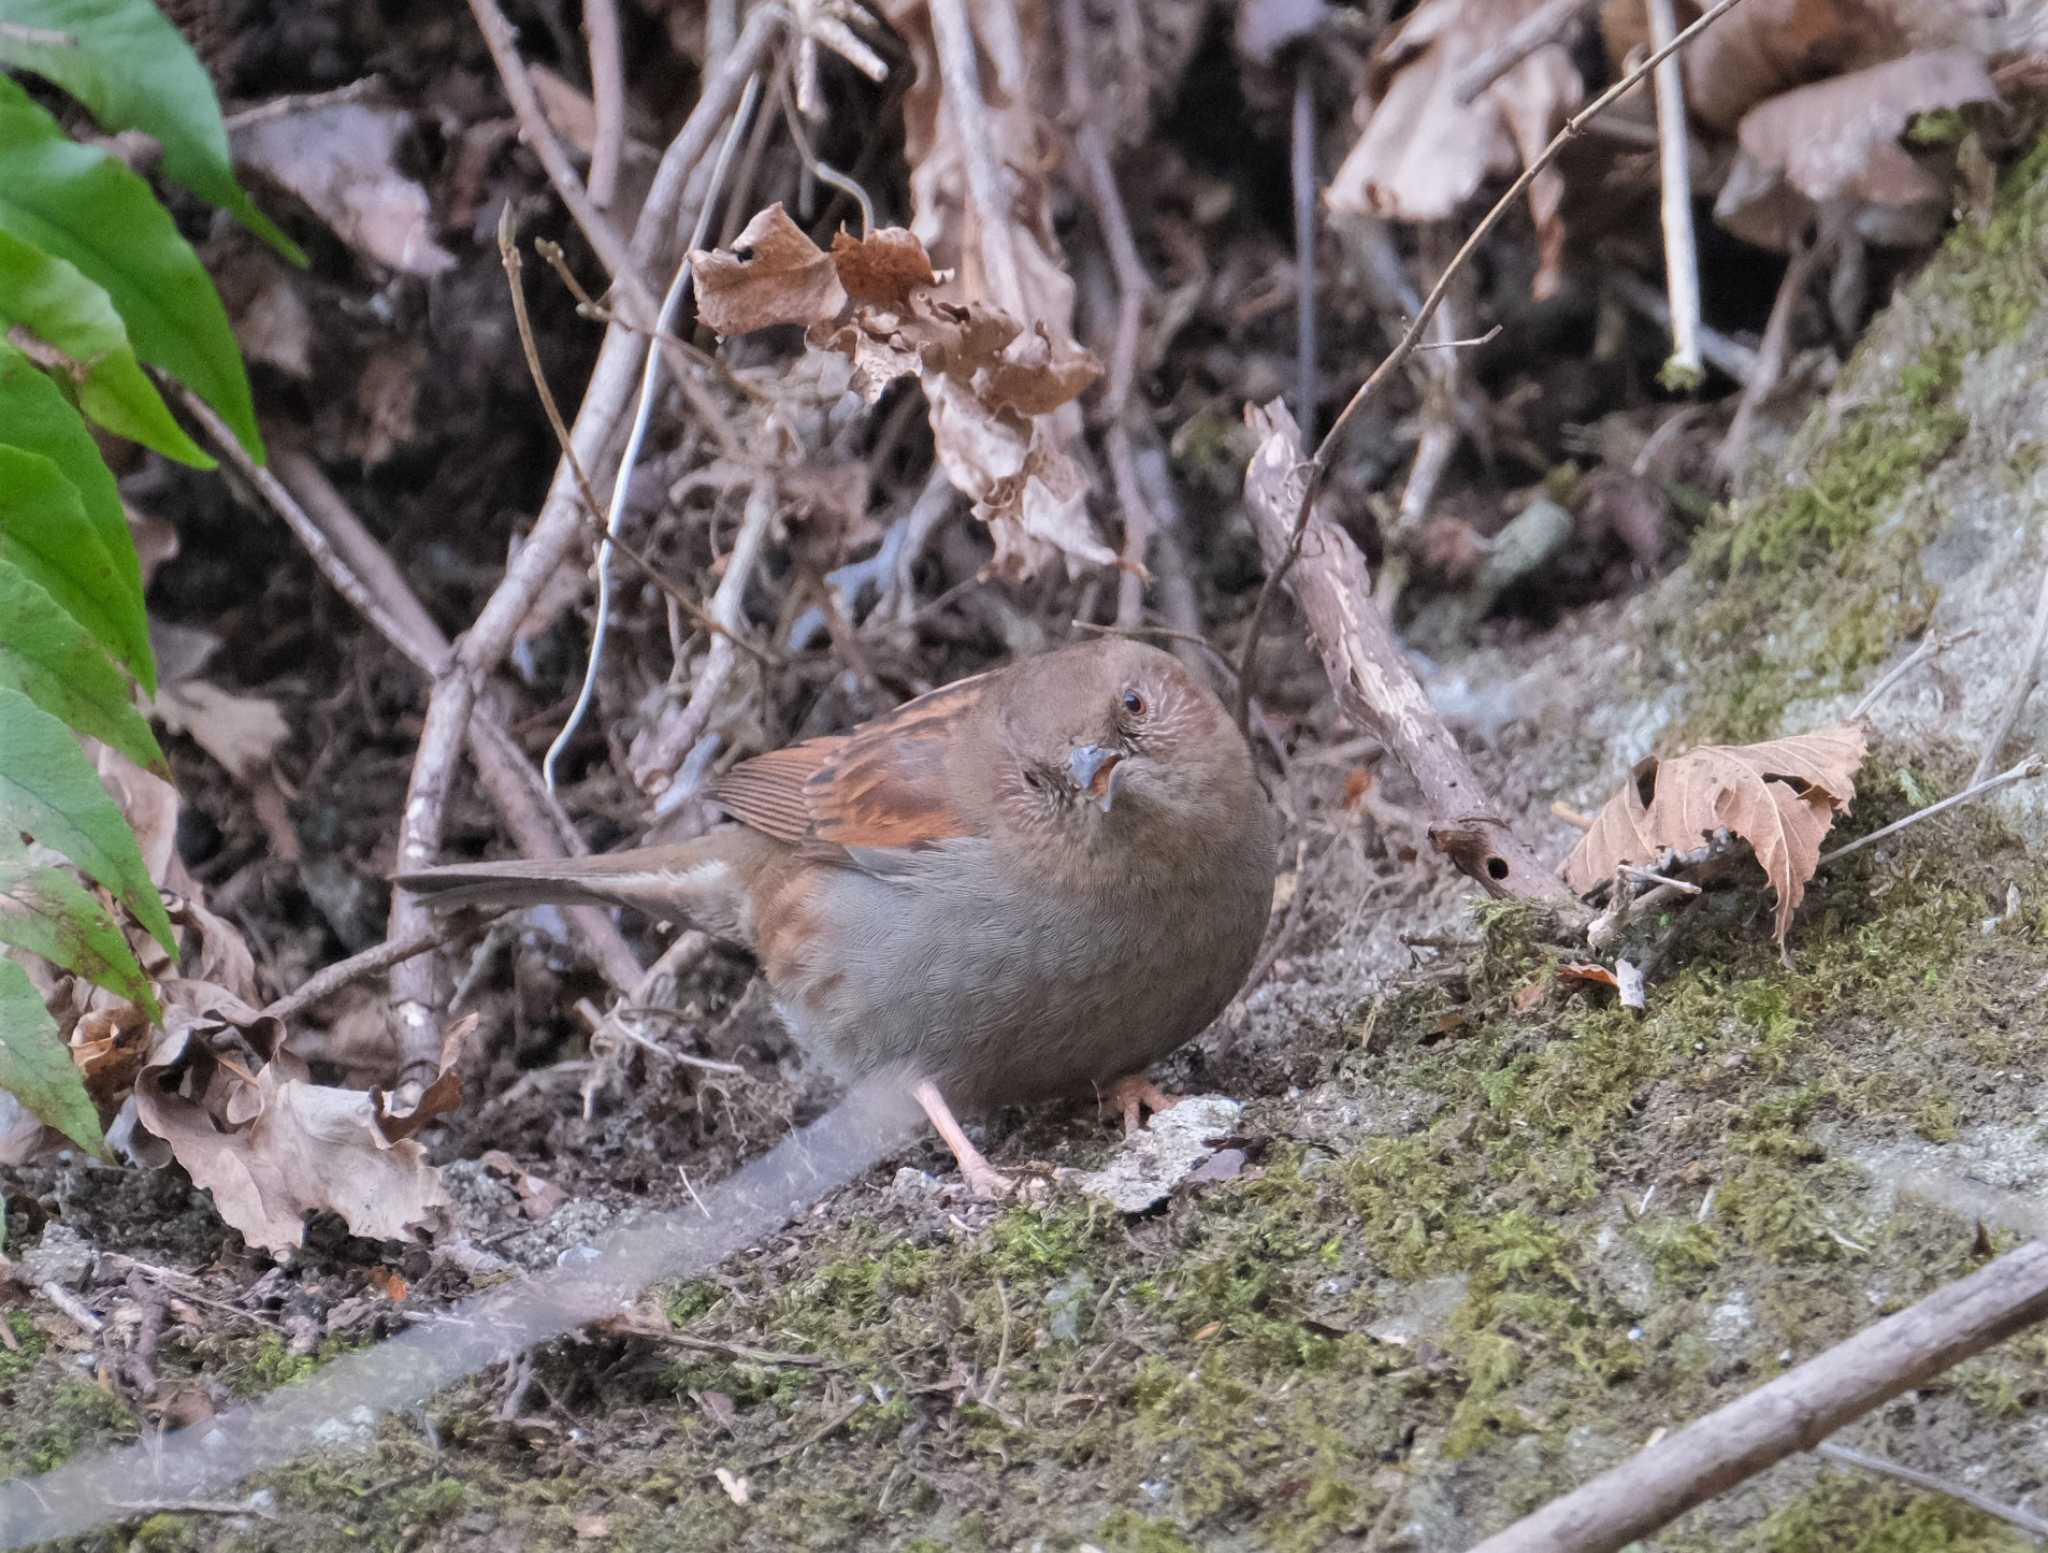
(1129, 1095)
(984, 1181)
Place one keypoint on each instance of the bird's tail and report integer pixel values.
(705, 882)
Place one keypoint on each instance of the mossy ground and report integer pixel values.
(1805, 586)
(1585, 1227)
(1594, 1226)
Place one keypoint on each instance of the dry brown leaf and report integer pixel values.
(1423, 153)
(1780, 796)
(1838, 140)
(266, 1142)
(883, 268)
(1034, 498)
(240, 732)
(1764, 47)
(341, 160)
(773, 274)
(1599, 975)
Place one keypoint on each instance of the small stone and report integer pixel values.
(62, 1256)
(1163, 1154)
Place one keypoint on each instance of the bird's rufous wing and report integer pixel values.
(882, 786)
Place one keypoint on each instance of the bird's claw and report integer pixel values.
(1127, 1097)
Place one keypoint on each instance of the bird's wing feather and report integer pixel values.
(882, 786)
(767, 792)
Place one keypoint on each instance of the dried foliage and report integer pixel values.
(993, 389)
(1781, 797)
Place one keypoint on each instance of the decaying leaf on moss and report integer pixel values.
(1780, 796)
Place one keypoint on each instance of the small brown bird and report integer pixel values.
(1029, 883)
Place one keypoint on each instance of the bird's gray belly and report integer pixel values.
(949, 975)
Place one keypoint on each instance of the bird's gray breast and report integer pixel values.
(949, 968)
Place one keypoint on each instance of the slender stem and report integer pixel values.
(1319, 465)
(2026, 770)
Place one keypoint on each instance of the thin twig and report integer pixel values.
(1936, 1483)
(650, 380)
(325, 983)
(1682, 370)
(681, 734)
(953, 33)
(1772, 351)
(1547, 24)
(611, 249)
(607, 98)
(1162, 634)
(132, 1507)
(1319, 465)
(829, 1426)
(2022, 687)
(745, 1352)
(1794, 1412)
(1301, 173)
(1931, 646)
(508, 256)
(2026, 770)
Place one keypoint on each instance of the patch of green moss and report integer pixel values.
(1847, 1509)
(164, 1533)
(28, 1346)
(1806, 587)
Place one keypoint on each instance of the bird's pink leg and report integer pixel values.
(1131, 1092)
(983, 1179)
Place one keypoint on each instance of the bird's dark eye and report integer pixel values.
(1135, 703)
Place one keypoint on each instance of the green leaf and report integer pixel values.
(35, 416)
(45, 532)
(53, 660)
(36, 1066)
(61, 307)
(49, 790)
(134, 70)
(45, 911)
(84, 207)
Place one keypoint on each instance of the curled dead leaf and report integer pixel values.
(341, 159)
(1423, 153)
(1838, 140)
(1780, 796)
(883, 268)
(220, 1095)
(772, 274)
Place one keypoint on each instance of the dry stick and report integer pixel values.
(636, 436)
(1319, 467)
(1374, 685)
(330, 980)
(508, 256)
(953, 33)
(1931, 647)
(560, 522)
(2025, 771)
(1134, 293)
(603, 237)
(675, 737)
(1936, 1483)
(1792, 1413)
(1682, 368)
(1548, 23)
(2023, 687)
(1772, 352)
(607, 98)
(356, 564)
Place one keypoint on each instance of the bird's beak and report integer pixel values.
(1093, 770)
